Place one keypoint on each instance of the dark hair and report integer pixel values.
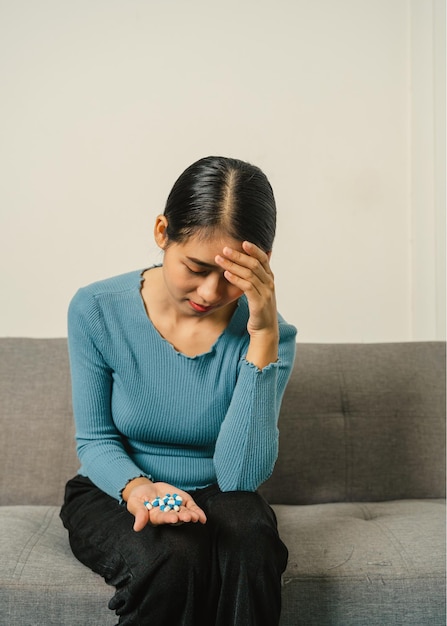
(220, 193)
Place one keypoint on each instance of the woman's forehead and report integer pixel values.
(202, 249)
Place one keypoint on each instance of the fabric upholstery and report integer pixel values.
(36, 421)
(371, 555)
(41, 581)
(358, 488)
(345, 561)
(362, 422)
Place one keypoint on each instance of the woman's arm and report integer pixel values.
(250, 271)
(99, 444)
(247, 446)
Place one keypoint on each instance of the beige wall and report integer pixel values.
(105, 102)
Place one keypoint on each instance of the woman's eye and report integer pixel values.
(200, 273)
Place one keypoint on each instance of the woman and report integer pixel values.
(178, 373)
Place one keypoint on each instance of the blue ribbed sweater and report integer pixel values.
(141, 407)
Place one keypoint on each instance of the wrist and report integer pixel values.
(263, 348)
(131, 484)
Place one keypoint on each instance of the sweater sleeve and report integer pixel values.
(99, 445)
(247, 445)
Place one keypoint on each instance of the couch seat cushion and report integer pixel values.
(41, 582)
(349, 564)
(364, 563)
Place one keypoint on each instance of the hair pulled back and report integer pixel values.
(220, 193)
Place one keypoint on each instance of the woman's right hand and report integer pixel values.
(146, 491)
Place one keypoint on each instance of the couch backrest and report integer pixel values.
(36, 420)
(358, 422)
(362, 422)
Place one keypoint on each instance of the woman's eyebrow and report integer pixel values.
(201, 263)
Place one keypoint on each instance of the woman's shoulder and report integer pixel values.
(89, 306)
(87, 298)
(114, 284)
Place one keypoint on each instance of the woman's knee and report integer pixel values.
(170, 553)
(246, 518)
(164, 566)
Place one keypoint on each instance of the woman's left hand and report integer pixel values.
(250, 271)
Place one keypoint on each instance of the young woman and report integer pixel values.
(178, 372)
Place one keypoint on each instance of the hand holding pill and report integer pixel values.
(161, 503)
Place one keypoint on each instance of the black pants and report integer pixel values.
(224, 573)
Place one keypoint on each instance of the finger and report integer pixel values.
(245, 265)
(255, 251)
(141, 518)
(234, 270)
(174, 518)
(198, 515)
(250, 256)
(251, 288)
(254, 283)
(158, 517)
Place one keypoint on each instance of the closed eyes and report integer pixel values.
(199, 273)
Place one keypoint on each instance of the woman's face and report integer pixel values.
(195, 283)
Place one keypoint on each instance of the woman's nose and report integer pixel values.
(209, 289)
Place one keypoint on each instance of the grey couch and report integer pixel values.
(357, 489)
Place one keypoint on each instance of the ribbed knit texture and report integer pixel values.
(143, 408)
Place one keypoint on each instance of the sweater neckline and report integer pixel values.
(155, 331)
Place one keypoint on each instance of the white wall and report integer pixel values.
(428, 164)
(105, 102)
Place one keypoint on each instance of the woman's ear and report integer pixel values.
(160, 231)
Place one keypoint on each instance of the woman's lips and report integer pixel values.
(199, 308)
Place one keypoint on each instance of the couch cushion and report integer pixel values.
(364, 563)
(349, 565)
(358, 422)
(41, 582)
(362, 422)
(38, 449)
